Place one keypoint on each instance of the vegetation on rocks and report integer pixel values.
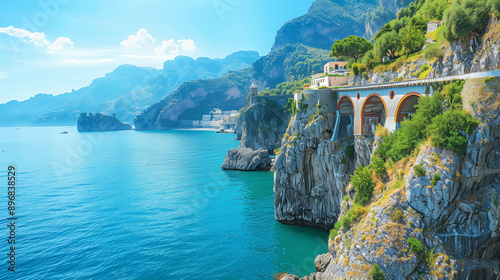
(376, 272)
(445, 130)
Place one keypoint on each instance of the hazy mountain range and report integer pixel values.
(126, 91)
(129, 91)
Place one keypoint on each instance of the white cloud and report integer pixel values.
(60, 44)
(187, 45)
(3, 75)
(39, 39)
(36, 38)
(167, 47)
(141, 40)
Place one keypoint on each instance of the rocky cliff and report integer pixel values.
(474, 53)
(99, 122)
(422, 228)
(312, 171)
(329, 20)
(263, 123)
(246, 159)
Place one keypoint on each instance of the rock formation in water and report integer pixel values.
(246, 159)
(99, 122)
(263, 123)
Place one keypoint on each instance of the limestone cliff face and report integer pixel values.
(264, 123)
(471, 54)
(311, 174)
(457, 218)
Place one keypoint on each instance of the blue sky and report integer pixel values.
(54, 46)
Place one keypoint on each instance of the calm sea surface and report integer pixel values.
(142, 205)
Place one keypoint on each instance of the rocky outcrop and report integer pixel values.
(474, 53)
(99, 122)
(264, 122)
(456, 215)
(329, 20)
(311, 174)
(246, 159)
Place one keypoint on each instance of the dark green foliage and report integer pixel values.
(397, 216)
(412, 132)
(449, 130)
(466, 16)
(376, 272)
(433, 51)
(495, 200)
(429, 258)
(349, 152)
(378, 165)
(452, 94)
(412, 38)
(363, 184)
(291, 106)
(347, 220)
(286, 88)
(415, 246)
(436, 179)
(303, 106)
(352, 46)
(419, 170)
(387, 44)
(355, 69)
(495, 7)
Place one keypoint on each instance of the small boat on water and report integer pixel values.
(64, 132)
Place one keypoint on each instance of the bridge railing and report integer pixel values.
(417, 82)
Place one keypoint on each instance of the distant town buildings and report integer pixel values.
(335, 74)
(215, 119)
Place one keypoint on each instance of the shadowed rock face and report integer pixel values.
(246, 159)
(98, 122)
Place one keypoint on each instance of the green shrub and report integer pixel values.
(363, 184)
(346, 197)
(422, 70)
(447, 130)
(415, 246)
(376, 272)
(355, 69)
(466, 16)
(429, 257)
(378, 165)
(435, 179)
(433, 51)
(413, 131)
(419, 170)
(347, 220)
(397, 216)
(349, 152)
(495, 200)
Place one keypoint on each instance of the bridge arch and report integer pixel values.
(346, 106)
(406, 107)
(345, 117)
(373, 112)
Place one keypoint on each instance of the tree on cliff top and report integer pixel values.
(352, 46)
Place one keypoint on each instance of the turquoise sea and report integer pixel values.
(142, 205)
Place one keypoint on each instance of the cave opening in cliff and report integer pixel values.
(345, 107)
(406, 108)
(373, 113)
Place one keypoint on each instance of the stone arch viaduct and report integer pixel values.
(360, 109)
